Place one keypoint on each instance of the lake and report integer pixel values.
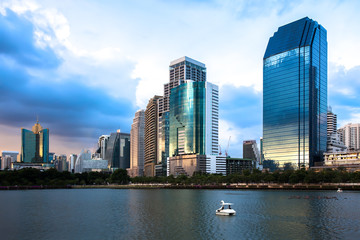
(178, 214)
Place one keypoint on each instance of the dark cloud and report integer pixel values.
(67, 107)
(17, 42)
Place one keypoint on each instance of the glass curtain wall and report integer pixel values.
(187, 119)
(295, 95)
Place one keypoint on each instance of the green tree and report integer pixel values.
(120, 176)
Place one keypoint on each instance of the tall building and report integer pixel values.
(35, 145)
(333, 138)
(331, 122)
(250, 150)
(102, 144)
(350, 136)
(151, 136)
(72, 160)
(295, 95)
(194, 113)
(137, 142)
(180, 70)
(61, 163)
(118, 150)
(193, 120)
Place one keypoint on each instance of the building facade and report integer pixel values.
(250, 150)
(102, 145)
(137, 142)
(348, 160)
(350, 136)
(8, 157)
(151, 157)
(193, 120)
(180, 70)
(295, 95)
(331, 122)
(238, 165)
(118, 150)
(35, 145)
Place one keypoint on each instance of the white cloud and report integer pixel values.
(126, 46)
(236, 134)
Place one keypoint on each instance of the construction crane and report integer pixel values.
(227, 148)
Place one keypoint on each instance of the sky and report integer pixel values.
(85, 67)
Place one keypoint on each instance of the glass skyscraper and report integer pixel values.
(35, 145)
(295, 95)
(118, 150)
(187, 119)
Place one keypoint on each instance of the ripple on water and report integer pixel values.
(178, 214)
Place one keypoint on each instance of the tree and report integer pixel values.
(120, 176)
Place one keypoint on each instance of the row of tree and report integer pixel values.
(256, 176)
(51, 177)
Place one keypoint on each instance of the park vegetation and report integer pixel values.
(51, 177)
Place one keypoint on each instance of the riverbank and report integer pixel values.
(239, 186)
(234, 186)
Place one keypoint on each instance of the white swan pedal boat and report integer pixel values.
(225, 209)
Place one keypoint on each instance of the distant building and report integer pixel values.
(151, 137)
(102, 145)
(295, 95)
(137, 142)
(51, 157)
(72, 160)
(61, 163)
(238, 165)
(118, 150)
(250, 150)
(334, 144)
(8, 157)
(349, 161)
(40, 166)
(35, 145)
(84, 163)
(331, 122)
(350, 136)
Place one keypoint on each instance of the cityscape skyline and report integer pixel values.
(79, 104)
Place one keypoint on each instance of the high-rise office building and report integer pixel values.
(350, 136)
(180, 70)
(137, 142)
(35, 145)
(331, 122)
(295, 95)
(118, 150)
(194, 113)
(151, 136)
(193, 120)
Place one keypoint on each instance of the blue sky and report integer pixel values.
(85, 67)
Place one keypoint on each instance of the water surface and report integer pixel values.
(178, 214)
